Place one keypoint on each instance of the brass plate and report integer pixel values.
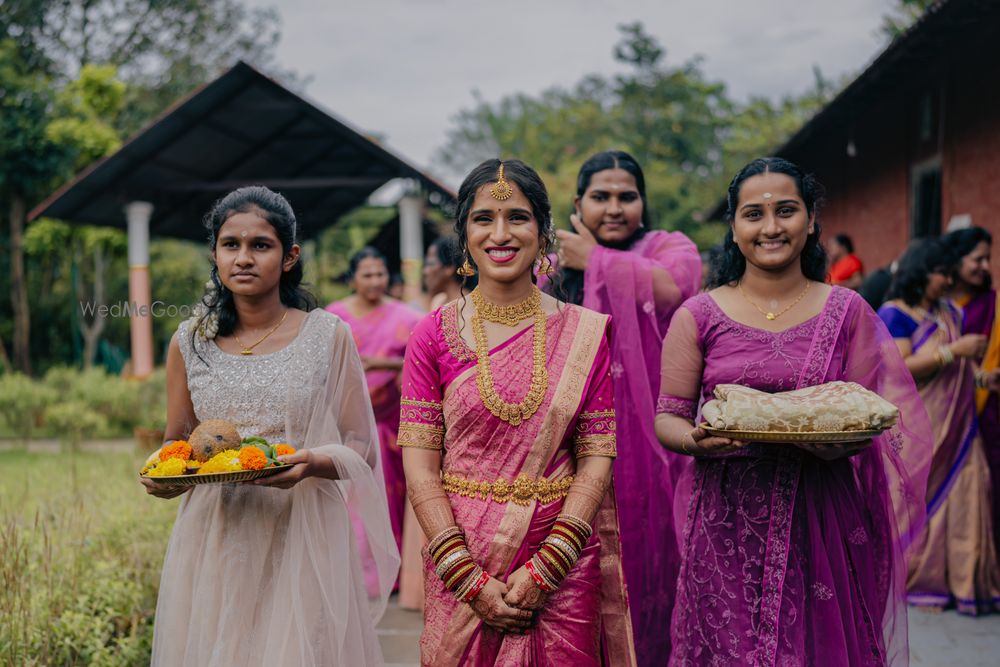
(218, 477)
(784, 436)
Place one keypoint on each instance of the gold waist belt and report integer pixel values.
(521, 491)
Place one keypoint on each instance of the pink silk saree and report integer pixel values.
(641, 288)
(384, 332)
(789, 559)
(586, 621)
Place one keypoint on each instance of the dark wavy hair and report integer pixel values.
(845, 240)
(529, 182)
(450, 255)
(922, 257)
(276, 210)
(731, 263)
(570, 281)
(368, 252)
(962, 242)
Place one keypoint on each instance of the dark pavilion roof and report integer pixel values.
(944, 26)
(242, 128)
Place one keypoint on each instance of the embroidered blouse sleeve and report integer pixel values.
(594, 434)
(421, 420)
(680, 367)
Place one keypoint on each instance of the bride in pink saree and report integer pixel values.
(792, 554)
(508, 434)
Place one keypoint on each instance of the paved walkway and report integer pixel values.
(399, 633)
(935, 639)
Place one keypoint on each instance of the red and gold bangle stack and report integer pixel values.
(559, 552)
(454, 565)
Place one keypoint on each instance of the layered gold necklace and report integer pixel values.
(512, 413)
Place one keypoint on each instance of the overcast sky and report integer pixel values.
(403, 68)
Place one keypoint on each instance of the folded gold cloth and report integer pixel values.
(834, 406)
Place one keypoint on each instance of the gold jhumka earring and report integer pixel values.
(545, 267)
(466, 269)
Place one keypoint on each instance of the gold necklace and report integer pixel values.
(512, 413)
(511, 315)
(768, 314)
(249, 349)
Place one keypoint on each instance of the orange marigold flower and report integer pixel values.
(281, 449)
(178, 449)
(252, 458)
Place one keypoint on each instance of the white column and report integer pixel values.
(138, 214)
(411, 244)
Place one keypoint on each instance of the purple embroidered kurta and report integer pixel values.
(789, 559)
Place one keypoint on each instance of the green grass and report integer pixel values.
(81, 546)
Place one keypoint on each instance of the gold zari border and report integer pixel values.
(595, 445)
(421, 436)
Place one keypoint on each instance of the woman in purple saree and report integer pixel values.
(955, 562)
(614, 263)
(508, 434)
(973, 292)
(792, 554)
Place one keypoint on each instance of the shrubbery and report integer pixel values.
(73, 405)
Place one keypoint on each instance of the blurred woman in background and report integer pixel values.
(614, 263)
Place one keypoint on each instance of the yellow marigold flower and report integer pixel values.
(252, 458)
(168, 468)
(225, 461)
(178, 449)
(281, 449)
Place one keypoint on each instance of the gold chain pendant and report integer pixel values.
(771, 316)
(512, 413)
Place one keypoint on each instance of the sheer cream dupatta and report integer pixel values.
(328, 617)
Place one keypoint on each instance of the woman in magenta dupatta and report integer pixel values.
(955, 562)
(615, 264)
(381, 327)
(973, 293)
(508, 432)
(793, 554)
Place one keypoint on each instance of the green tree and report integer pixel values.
(29, 162)
(684, 129)
(904, 14)
(75, 77)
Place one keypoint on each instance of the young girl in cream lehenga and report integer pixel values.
(267, 572)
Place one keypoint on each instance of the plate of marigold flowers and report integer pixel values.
(215, 453)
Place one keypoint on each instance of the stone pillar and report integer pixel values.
(411, 245)
(138, 214)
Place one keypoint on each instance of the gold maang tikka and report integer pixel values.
(501, 190)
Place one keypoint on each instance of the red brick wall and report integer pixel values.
(971, 160)
(868, 196)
